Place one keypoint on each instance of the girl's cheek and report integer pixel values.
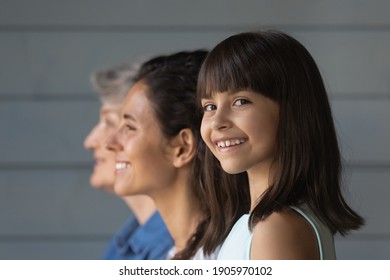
(204, 130)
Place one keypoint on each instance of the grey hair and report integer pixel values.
(112, 84)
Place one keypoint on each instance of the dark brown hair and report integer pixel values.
(277, 66)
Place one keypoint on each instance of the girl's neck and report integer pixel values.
(258, 183)
(142, 207)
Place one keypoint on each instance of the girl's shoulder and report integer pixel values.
(284, 235)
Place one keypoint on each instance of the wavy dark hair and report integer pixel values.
(277, 66)
(171, 81)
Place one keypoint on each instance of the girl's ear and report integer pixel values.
(184, 148)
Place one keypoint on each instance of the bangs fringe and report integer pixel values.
(228, 68)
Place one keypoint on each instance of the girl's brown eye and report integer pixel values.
(209, 107)
(240, 102)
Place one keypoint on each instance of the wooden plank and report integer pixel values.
(53, 63)
(193, 13)
(363, 130)
(45, 209)
(66, 250)
(60, 64)
(362, 250)
(46, 132)
(368, 192)
(345, 250)
(56, 204)
(353, 63)
(52, 132)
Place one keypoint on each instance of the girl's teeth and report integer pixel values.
(230, 142)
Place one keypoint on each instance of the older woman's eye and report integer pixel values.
(109, 123)
(130, 127)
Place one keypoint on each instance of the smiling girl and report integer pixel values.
(266, 113)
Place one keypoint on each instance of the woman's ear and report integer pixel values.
(184, 145)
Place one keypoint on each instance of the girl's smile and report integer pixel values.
(229, 142)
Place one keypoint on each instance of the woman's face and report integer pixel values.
(103, 174)
(240, 129)
(143, 163)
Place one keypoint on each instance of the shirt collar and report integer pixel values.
(124, 234)
(138, 238)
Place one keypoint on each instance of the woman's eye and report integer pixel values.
(209, 107)
(109, 123)
(130, 127)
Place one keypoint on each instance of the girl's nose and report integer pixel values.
(221, 119)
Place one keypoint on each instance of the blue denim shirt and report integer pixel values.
(133, 241)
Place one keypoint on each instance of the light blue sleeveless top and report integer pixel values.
(237, 245)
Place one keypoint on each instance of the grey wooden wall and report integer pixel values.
(49, 48)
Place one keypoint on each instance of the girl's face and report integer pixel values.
(103, 175)
(142, 153)
(240, 129)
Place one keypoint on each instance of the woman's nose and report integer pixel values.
(91, 141)
(112, 142)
